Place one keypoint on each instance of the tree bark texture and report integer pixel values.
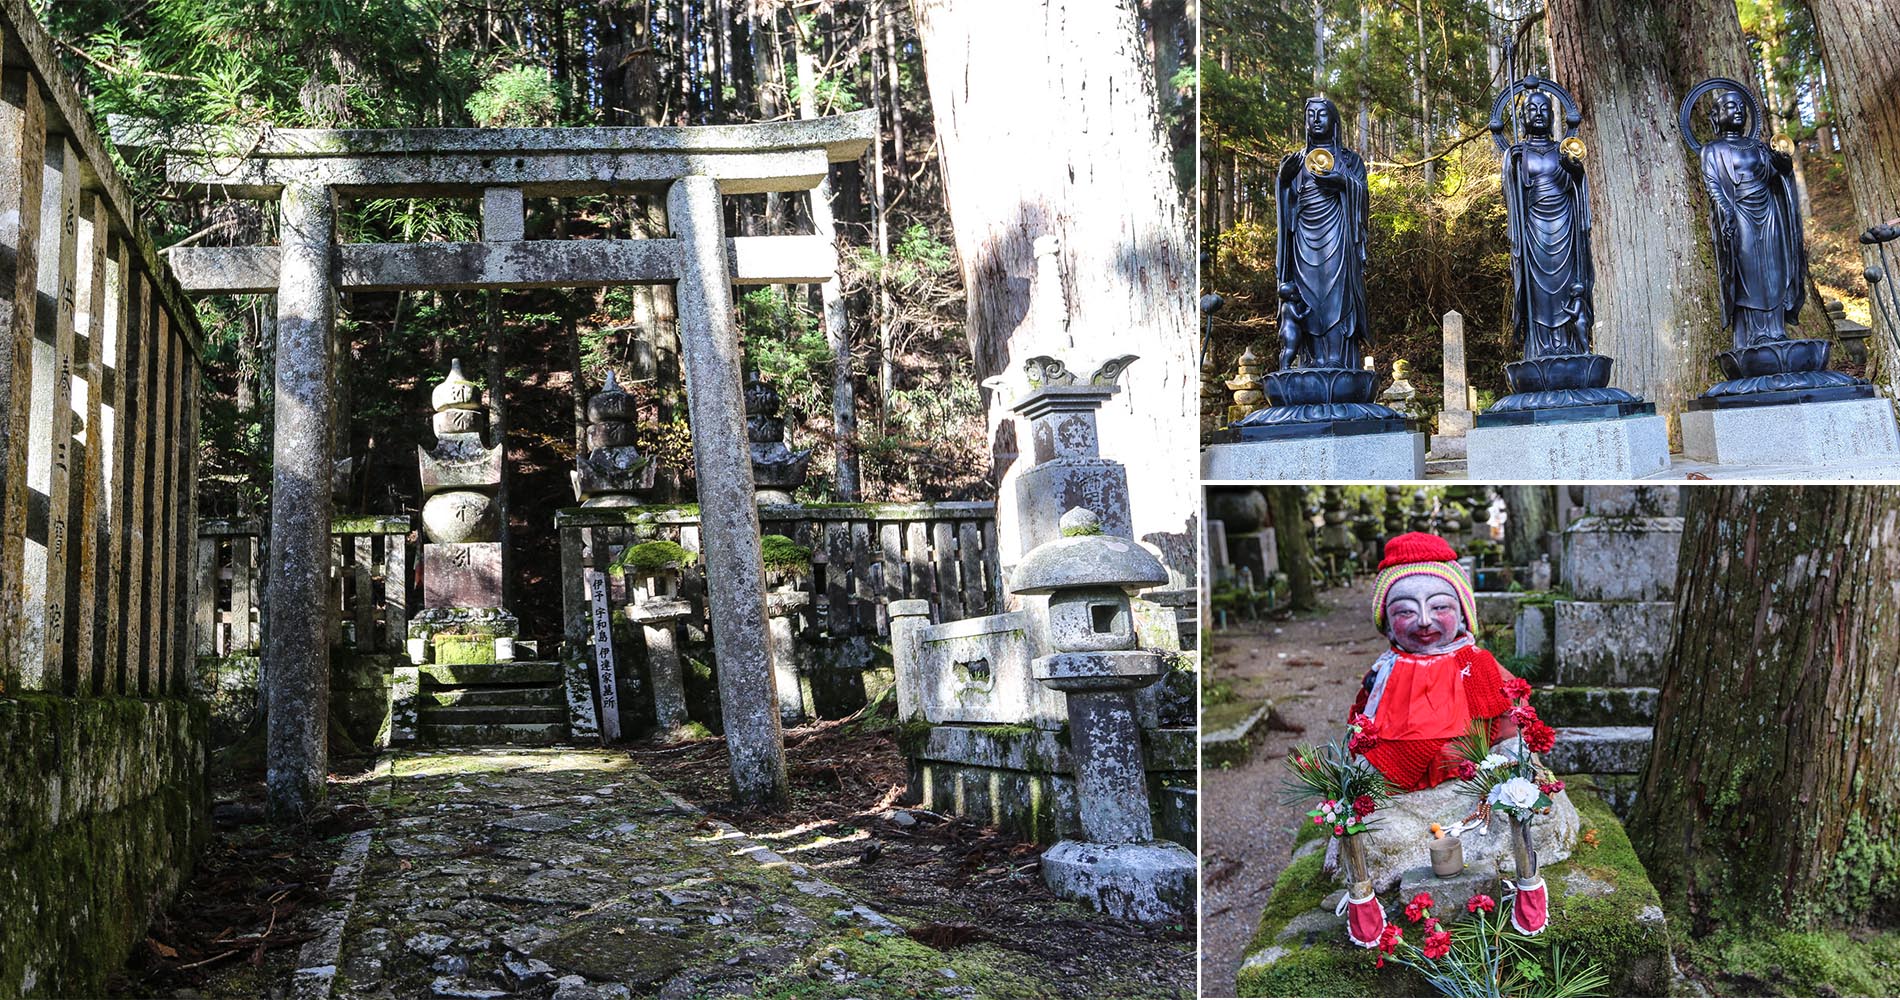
(1531, 513)
(1658, 305)
(1772, 793)
(1047, 124)
(1286, 508)
(1858, 41)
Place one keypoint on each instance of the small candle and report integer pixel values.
(1448, 856)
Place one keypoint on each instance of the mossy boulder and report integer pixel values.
(648, 558)
(1603, 910)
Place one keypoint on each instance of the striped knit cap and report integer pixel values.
(1419, 552)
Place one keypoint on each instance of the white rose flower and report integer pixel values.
(1517, 793)
(1495, 760)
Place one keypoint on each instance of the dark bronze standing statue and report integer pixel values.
(1320, 257)
(1547, 207)
(1755, 223)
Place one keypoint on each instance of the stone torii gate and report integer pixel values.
(306, 170)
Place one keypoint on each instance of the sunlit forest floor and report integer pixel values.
(589, 873)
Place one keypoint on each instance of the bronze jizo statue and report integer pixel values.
(1320, 258)
(1321, 250)
(1755, 224)
(1553, 282)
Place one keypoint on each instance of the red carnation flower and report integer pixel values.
(1467, 770)
(1551, 788)
(1363, 806)
(1480, 902)
(1437, 945)
(1390, 938)
(1517, 689)
(1523, 715)
(1339, 831)
(1417, 907)
(1540, 737)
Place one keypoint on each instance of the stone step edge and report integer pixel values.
(496, 715)
(768, 858)
(317, 960)
(461, 734)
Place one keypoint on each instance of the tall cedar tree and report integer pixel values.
(1772, 793)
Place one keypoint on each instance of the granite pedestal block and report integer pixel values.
(1611, 643)
(1616, 448)
(1812, 434)
(461, 575)
(1393, 455)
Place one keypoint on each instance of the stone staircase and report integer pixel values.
(483, 703)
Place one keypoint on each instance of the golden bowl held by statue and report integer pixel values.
(1783, 144)
(1319, 161)
(1573, 147)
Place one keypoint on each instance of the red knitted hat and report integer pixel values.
(1416, 547)
(1418, 552)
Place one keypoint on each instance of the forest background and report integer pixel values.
(884, 385)
(1414, 81)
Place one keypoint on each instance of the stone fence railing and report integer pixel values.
(863, 556)
(368, 613)
(98, 405)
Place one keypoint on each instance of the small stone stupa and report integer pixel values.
(611, 472)
(777, 471)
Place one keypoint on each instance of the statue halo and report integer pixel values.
(1702, 90)
(1572, 116)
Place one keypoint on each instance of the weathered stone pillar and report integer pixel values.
(1456, 418)
(729, 518)
(908, 621)
(655, 617)
(783, 606)
(297, 669)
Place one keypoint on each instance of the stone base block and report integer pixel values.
(1600, 750)
(1533, 634)
(1630, 558)
(1445, 447)
(1596, 706)
(1603, 910)
(1600, 644)
(405, 690)
(1398, 455)
(1792, 434)
(1150, 883)
(1619, 448)
(1021, 779)
(1449, 892)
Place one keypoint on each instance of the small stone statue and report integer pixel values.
(1245, 385)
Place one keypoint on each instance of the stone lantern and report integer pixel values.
(1117, 866)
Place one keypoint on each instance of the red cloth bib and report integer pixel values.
(1428, 702)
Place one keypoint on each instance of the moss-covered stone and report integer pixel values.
(1603, 910)
(102, 805)
(648, 558)
(781, 553)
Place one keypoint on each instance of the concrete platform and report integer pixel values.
(1398, 455)
(1616, 448)
(1798, 434)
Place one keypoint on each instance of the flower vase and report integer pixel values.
(1365, 917)
(1530, 911)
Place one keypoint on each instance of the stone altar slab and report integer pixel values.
(1792, 434)
(1617, 448)
(1394, 455)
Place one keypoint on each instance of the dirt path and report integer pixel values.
(1310, 667)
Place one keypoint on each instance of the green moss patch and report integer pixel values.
(648, 558)
(783, 554)
(1789, 963)
(1603, 910)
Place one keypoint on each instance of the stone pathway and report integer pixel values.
(569, 874)
(1309, 668)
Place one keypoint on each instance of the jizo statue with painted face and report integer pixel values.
(1435, 681)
